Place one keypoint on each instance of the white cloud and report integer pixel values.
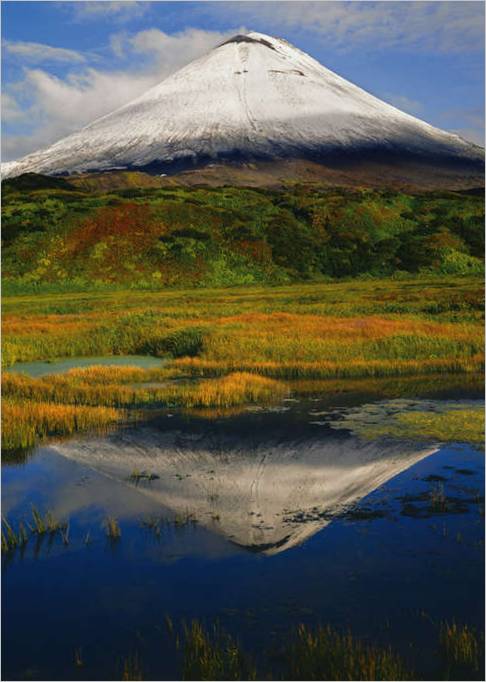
(422, 26)
(171, 51)
(119, 11)
(59, 106)
(12, 112)
(38, 52)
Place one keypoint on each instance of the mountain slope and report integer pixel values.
(253, 97)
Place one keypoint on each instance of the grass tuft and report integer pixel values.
(462, 651)
(113, 530)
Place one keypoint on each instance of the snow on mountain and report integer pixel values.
(254, 96)
(266, 495)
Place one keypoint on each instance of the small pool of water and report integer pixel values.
(41, 368)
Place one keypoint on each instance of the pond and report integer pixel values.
(259, 521)
(39, 368)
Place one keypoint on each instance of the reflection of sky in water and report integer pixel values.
(39, 368)
(353, 574)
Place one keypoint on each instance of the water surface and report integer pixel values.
(262, 520)
(41, 368)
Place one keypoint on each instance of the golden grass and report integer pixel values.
(113, 374)
(235, 389)
(210, 653)
(59, 405)
(461, 647)
(325, 654)
(23, 424)
(112, 527)
(325, 369)
(367, 327)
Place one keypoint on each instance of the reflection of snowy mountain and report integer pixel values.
(248, 491)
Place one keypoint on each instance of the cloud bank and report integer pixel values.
(56, 107)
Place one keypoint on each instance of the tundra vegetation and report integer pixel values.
(62, 235)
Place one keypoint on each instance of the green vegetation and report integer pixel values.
(12, 539)
(61, 237)
(451, 425)
(39, 525)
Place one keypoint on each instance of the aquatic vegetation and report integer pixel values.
(322, 653)
(234, 389)
(438, 499)
(455, 424)
(47, 523)
(416, 419)
(113, 374)
(12, 539)
(462, 651)
(325, 654)
(132, 668)
(65, 389)
(329, 370)
(186, 342)
(24, 423)
(136, 476)
(213, 655)
(451, 425)
(78, 658)
(113, 530)
(84, 387)
(40, 525)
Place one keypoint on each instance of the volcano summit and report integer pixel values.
(255, 99)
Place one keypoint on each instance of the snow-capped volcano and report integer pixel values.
(252, 97)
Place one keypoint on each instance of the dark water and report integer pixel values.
(266, 519)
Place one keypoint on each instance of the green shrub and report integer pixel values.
(186, 342)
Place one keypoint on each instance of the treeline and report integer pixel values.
(53, 232)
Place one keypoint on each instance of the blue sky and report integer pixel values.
(66, 63)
